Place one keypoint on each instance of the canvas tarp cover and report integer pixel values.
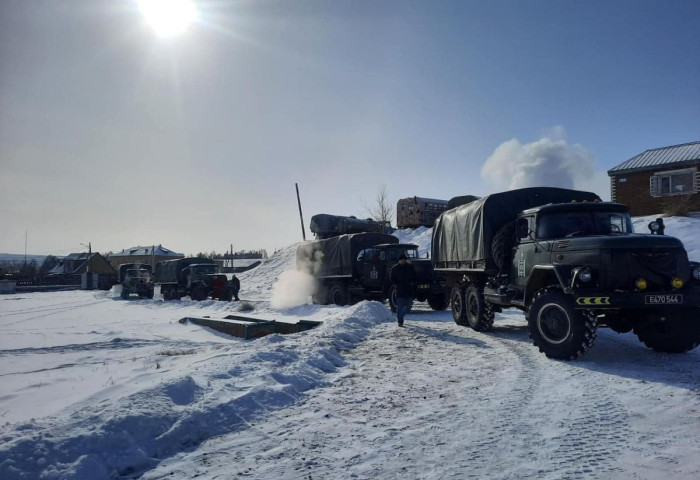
(325, 226)
(337, 255)
(170, 271)
(462, 236)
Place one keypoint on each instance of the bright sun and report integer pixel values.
(168, 17)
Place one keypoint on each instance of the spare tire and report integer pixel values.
(502, 246)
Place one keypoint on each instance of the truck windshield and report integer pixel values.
(577, 224)
(393, 253)
(204, 269)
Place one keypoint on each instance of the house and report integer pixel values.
(79, 263)
(149, 255)
(415, 212)
(661, 180)
(70, 269)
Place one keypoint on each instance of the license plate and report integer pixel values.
(663, 299)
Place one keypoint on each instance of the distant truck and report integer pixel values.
(572, 264)
(136, 278)
(327, 226)
(197, 278)
(356, 267)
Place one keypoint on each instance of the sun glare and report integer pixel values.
(168, 18)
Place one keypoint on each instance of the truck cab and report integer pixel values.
(378, 261)
(203, 280)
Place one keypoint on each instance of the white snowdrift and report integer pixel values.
(94, 387)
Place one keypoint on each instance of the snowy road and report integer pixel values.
(93, 387)
(435, 401)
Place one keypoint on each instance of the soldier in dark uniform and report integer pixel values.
(235, 286)
(403, 275)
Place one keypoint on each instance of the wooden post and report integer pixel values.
(301, 216)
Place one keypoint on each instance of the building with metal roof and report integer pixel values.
(662, 180)
(149, 255)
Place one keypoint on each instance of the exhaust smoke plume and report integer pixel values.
(294, 287)
(550, 162)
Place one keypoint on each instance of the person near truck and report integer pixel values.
(235, 286)
(403, 275)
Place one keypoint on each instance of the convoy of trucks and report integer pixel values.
(572, 264)
(569, 261)
(195, 277)
(353, 267)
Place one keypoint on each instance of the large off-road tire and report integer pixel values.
(457, 304)
(125, 293)
(393, 304)
(438, 302)
(227, 296)
(675, 331)
(502, 246)
(150, 294)
(198, 294)
(478, 311)
(338, 295)
(557, 329)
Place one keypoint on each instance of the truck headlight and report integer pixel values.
(585, 275)
(696, 272)
(641, 284)
(677, 283)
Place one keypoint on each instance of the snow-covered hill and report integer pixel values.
(95, 387)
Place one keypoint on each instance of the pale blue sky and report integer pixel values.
(111, 135)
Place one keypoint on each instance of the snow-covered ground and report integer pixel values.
(96, 387)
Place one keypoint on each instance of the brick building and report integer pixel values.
(661, 180)
(415, 212)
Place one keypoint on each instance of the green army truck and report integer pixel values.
(572, 264)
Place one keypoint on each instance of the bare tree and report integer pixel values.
(381, 209)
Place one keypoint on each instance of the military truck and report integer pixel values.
(572, 264)
(196, 277)
(356, 267)
(136, 278)
(327, 226)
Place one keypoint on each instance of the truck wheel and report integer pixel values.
(320, 296)
(338, 295)
(478, 311)
(392, 298)
(125, 293)
(150, 294)
(675, 331)
(198, 294)
(457, 302)
(438, 302)
(227, 296)
(502, 246)
(557, 329)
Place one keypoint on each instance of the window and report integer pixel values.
(674, 182)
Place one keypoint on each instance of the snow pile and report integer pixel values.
(125, 435)
(421, 236)
(687, 229)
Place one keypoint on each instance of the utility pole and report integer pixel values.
(301, 216)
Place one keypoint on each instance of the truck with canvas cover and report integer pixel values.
(572, 264)
(327, 226)
(197, 277)
(136, 278)
(349, 268)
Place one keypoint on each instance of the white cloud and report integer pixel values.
(549, 161)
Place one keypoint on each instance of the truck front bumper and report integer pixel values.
(598, 300)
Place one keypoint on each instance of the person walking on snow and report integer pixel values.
(403, 275)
